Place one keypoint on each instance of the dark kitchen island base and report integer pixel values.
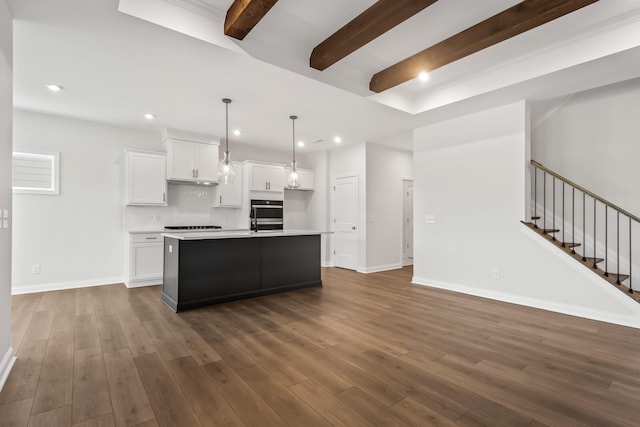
(211, 271)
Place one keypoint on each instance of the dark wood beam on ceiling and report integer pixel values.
(243, 15)
(516, 20)
(382, 16)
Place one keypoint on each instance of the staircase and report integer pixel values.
(590, 229)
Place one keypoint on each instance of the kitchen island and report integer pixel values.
(206, 268)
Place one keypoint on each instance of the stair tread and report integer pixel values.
(571, 244)
(592, 259)
(621, 277)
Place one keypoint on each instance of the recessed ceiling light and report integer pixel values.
(337, 140)
(54, 87)
(149, 116)
(236, 132)
(300, 144)
(423, 76)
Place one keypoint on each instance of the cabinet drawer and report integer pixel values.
(146, 237)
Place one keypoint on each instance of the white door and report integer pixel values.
(207, 162)
(345, 239)
(181, 160)
(407, 226)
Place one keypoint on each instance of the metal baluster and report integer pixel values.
(618, 246)
(584, 234)
(563, 240)
(606, 240)
(630, 263)
(535, 196)
(544, 200)
(573, 219)
(594, 234)
(553, 210)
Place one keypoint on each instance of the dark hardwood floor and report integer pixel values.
(364, 350)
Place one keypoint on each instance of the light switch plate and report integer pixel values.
(5, 223)
(5, 214)
(430, 219)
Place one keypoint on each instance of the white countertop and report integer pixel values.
(241, 234)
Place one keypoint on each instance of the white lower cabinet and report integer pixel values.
(146, 252)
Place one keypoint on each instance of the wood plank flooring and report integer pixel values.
(364, 350)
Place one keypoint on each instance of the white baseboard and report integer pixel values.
(379, 268)
(143, 283)
(6, 365)
(327, 264)
(632, 321)
(58, 286)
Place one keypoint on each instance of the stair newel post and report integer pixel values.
(630, 261)
(594, 234)
(606, 240)
(563, 240)
(535, 196)
(573, 219)
(584, 229)
(618, 247)
(553, 209)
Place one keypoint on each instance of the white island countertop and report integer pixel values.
(241, 234)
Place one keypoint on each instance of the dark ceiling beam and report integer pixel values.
(243, 15)
(516, 20)
(382, 16)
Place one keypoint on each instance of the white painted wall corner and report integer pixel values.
(6, 365)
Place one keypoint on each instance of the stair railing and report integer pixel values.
(617, 211)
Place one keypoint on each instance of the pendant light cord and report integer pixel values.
(293, 123)
(226, 104)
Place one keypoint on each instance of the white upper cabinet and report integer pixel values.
(266, 178)
(146, 182)
(306, 179)
(206, 158)
(191, 157)
(230, 195)
(191, 161)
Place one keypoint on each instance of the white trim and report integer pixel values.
(327, 264)
(403, 224)
(332, 220)
(58, 286)
(379, 268)
(6, 365)
(571, 310)
(407, 261)
(579, 268)
(143, 283)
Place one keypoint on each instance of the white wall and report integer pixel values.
(593, 139)
(78, 237)
(6, 100)
(345, 161)
(470, 173)
(385, 167)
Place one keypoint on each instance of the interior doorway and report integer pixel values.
(407, 222)
(345, 218)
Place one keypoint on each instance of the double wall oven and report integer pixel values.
(266, 215)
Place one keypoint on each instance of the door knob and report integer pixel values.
(353, 228)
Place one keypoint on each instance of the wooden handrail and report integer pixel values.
(584, 190)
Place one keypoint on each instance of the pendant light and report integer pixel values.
(226, 171)
(293, 180)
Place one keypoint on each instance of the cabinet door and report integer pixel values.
(147, 261)
(146, 179)
(181, 160)
(306, 180)
(258, 178)
(230, 195)
(206, 162)
(275, 178)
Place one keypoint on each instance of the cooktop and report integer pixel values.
(192, 227)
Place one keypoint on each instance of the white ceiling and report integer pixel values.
(176, 62)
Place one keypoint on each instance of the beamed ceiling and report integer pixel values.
(345, 68)
(376, 49)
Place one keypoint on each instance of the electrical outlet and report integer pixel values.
(495, 273)
(35, 269)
